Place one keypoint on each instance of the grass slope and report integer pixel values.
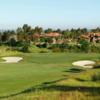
(39, 68)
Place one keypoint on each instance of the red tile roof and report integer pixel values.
(36, 35)
(98, 34)
(53, 34)
(87, 35)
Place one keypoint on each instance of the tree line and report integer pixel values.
(25, 32)
(23, 36)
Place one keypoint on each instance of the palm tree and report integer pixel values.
(49, 30)
(20, 34)
(38, 30)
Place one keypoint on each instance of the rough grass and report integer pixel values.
(4, 51)
(57, 95)
(34, 49)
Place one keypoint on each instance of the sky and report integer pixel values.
(50, 13)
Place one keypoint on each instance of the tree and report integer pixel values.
(24, 33)
(20, 34)
(5, 36)
(49, 30)
(84, 45)
(38, 30)
(95, 30)
(25, 47)
(84, 30)
(0, 38)
(66, 34)
(59, 31)
(12, 42)
(26, 28)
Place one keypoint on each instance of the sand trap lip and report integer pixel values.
(12, 59)
(84, 63)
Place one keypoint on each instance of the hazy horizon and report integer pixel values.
(50, 13)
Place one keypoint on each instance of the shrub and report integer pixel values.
(56, 50)
(25, 47)
(44, 45)
(96, 77)
(74, 48)
(59, 47)
(44, 51)
(97, 65)
(95, 48)
(84, 45)
(12, 42)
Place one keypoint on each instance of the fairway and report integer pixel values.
(35, 69)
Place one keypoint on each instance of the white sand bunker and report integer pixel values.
(12, 59)
(84, 63)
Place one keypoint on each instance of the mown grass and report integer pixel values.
(43, 75)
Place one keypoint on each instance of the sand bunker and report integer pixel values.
(12, 59)
(84, 63)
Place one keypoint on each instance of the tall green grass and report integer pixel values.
(4, 51)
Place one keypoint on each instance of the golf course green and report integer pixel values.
(38, 68)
